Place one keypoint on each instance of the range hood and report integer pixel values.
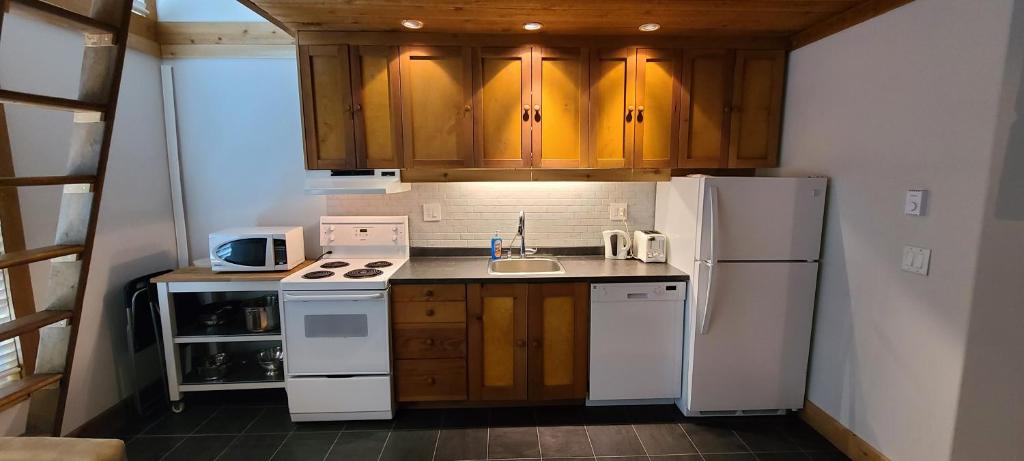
(352, 182)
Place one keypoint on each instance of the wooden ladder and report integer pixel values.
(105, 30)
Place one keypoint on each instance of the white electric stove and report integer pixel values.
(337, 340)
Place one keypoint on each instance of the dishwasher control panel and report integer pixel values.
(647, 291)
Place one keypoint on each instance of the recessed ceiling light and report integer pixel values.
(533, 26)
(650, 27)
(412, 23)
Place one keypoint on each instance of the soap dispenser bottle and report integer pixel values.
(496, 246)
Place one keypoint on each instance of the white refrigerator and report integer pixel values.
(751, 246)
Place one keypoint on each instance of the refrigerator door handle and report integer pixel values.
(705, 310)
(712, 194)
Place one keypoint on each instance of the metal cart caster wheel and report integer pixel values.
(177, 407)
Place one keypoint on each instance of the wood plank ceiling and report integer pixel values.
(590, 17)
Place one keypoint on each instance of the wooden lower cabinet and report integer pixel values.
(491, 342)
(528, 341)
(428, 338)
(558, 329)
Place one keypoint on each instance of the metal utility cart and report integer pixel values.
(202, 321)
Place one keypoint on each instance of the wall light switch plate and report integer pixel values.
(431, 212)
(916, 260)
(617, 211)
(915, 202)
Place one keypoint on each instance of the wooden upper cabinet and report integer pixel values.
(378, 110)
(706, 95)
(612, 108)
(497, 341)
(437, 110)
(328, 130)
(558, 340)
(757, 109)
(502, 112)
(656, 127)
(560, 108)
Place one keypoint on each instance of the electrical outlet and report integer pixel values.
(617, 212)
(431, 212)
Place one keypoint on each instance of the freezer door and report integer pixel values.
(753, 352)
(761, 219)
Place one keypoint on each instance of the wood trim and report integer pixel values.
(22, 325)
(534, 174)
(227, 51)
(220, 33)
(849, 443)
(19, 278)
(843, 21)
(256, 9)
(16, 392)
(553, 40)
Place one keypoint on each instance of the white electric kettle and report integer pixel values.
(616, 244)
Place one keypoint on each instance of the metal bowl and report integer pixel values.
(214, 367)
(271, 359)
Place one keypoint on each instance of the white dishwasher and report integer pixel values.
(636, 341)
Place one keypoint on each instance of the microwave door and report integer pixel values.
(244, 252)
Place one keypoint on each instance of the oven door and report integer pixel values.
(336, 333)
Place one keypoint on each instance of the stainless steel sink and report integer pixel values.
(525, 266)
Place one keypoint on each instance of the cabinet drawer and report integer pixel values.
(431, 380)
(429, 340)
(430, 312)
(448, 292)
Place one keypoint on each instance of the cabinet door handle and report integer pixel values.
(629, 114)
(536, 343)
(358, 107)
(429, 341)
(478, 318)
(429, 294)
(431, 380)
(467, 108)
(728, 109)
(430, 312)
(536, 113)
(521, 343)
(640, 114)
(526, 112)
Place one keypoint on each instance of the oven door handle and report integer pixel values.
(288, 297)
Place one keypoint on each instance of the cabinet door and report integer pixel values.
(497, 341)
(612, 108)
(327, 125)
(502, 107)
(658, 76)
(560, 108)
(707, 88)
(558, 338)
(437, 122)
(757, 109)
(377, 106)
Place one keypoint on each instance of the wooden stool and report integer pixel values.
(63, 449)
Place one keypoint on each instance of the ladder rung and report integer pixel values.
(62, 17)
(49, 102)
(31, 322)
(16, 258)
(11, 181)
(16, 391)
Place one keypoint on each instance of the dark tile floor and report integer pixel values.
(210, 430)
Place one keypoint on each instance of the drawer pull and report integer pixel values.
(430, 312)
(429, 341)
(429, 293)
(431, 380)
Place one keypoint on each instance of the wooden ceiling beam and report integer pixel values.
(844, 20)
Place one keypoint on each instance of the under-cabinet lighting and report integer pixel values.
(532, 26)
(650, 27)
(412, 23)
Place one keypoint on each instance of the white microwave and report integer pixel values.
(250, 249)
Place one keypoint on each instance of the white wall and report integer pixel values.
(559, 214)
(907, 100)
(135, 234)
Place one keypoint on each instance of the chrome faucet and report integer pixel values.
(521, 235)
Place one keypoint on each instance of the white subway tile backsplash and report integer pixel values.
(559, 214)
